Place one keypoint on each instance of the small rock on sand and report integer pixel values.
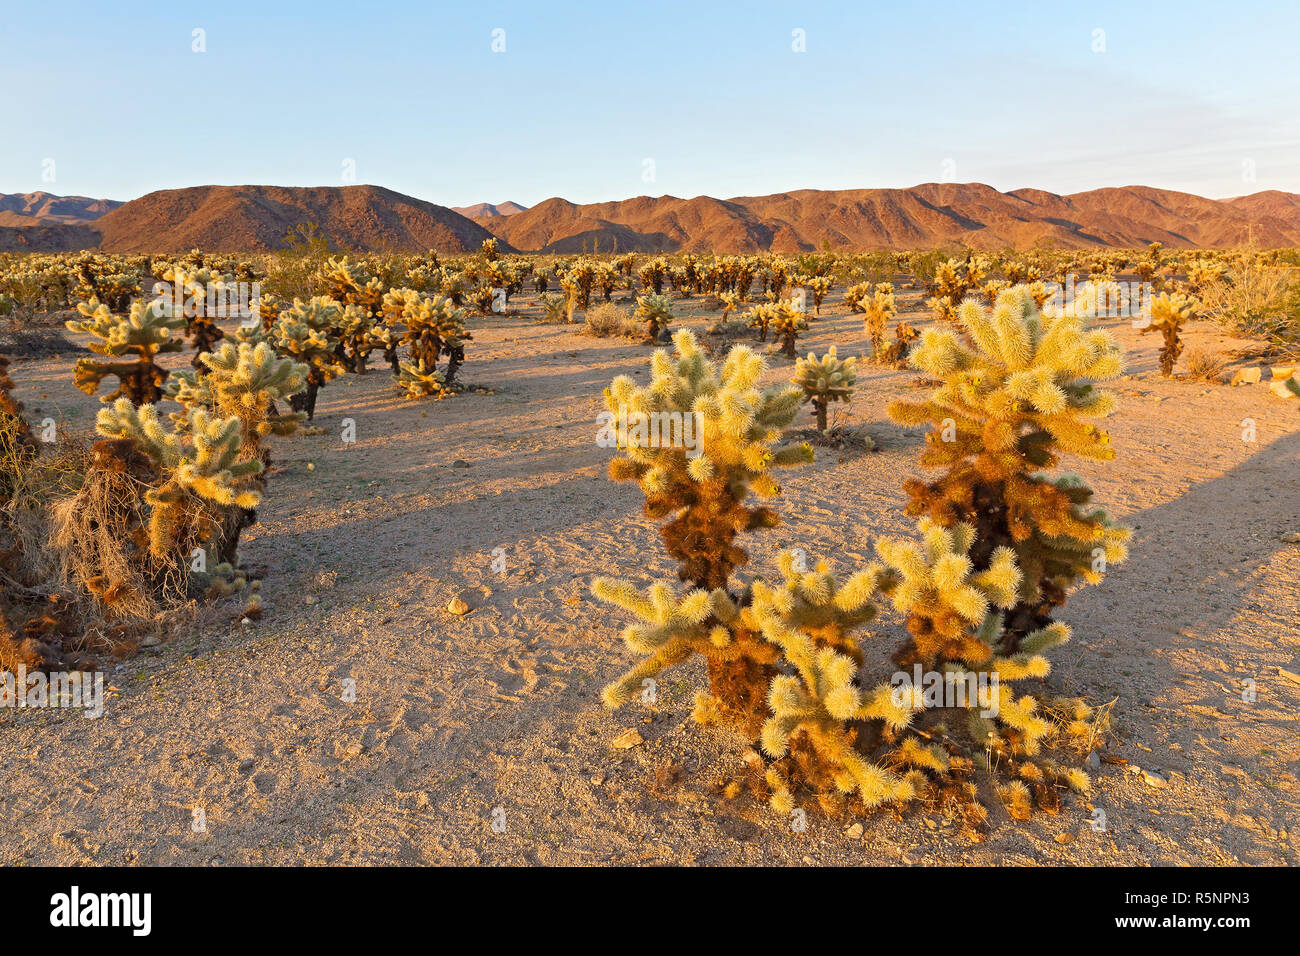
(628, 739)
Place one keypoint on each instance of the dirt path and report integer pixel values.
(458, 717)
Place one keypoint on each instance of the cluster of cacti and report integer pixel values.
(825, 380)
(190, 288)
(1001, 543)
(1168, 314)
(136, 339)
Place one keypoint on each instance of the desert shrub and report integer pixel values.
(1205, 365)
(608, 319)
(1254, 299)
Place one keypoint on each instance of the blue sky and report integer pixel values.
(1191, 96)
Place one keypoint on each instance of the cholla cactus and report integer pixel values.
(191, 287)
(1014, 399)
(879, 309)
(420, 380)
(200, 472)
(943, 595)
(825, 380)
(700, 476)
(434, 326)
(735, 426)
(760, 318)
(855, 294)
(818, 286)
(652, 275)
(896, 351)
(955, 617)
(1168, 313)
(945, 310)
(787, 322)
(819, 710)
(656, 312)
(245, 382)
(304, 332)
(142, 336)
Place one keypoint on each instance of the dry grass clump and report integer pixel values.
(607, 320)
(1205, 366)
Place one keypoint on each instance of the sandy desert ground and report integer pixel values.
(456, 717)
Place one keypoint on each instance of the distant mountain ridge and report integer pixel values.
(371, 218)
(928, 215)
(42, 208)
(487, 210)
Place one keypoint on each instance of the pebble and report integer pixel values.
(1154, 779)
(458, 605)
(854, 832)
(311, 599)
(152, 640)
(1094, 762)
(628, 739)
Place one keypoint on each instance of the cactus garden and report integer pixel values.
(586, 537)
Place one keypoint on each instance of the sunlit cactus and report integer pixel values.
(759, 317)
(653, 274)
(1014, 398)
(700, 476)
(879, 309)
(420, 380)
(200, 469)
(655, 312)
(137, 339)
(1168, 315)
(434, 327)
(245, 382)
(825, 380)
(304, 332)
(819, 286)
(819, 711)
(786, 324)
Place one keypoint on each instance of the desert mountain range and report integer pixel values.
(371, 218)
